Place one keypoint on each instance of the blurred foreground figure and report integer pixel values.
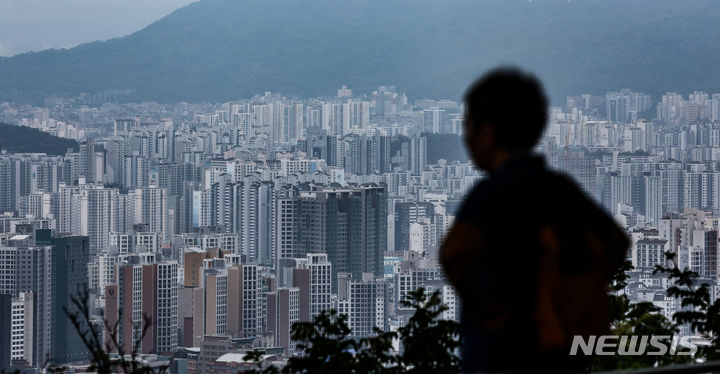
(530, 254)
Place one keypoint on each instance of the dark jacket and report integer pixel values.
(531, 257)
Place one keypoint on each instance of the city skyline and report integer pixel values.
(251, 215)
(275, 186)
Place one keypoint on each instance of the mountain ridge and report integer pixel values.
(218, 50)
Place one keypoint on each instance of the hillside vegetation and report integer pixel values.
(20, 139)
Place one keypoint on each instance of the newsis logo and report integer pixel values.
(636, 345)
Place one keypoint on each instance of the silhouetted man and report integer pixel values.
(530, 254)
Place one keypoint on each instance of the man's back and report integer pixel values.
(537, 258)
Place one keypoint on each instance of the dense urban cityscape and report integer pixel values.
(203, 231)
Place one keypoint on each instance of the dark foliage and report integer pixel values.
(22, 139)
(698, 310)
(429, 344)
(101, 361)
(643, 319)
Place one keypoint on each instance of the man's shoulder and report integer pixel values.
(482, 192)
(534, 181)
(564, 186)
(559, 180)
(543, 188)
(480, 187)
(475, 202)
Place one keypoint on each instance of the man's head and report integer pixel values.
(505, 115)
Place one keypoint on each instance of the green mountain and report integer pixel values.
(215, 50)
(21, 139)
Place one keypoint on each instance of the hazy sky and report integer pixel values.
(31, 25)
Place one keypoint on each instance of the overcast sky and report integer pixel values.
(32, 25)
